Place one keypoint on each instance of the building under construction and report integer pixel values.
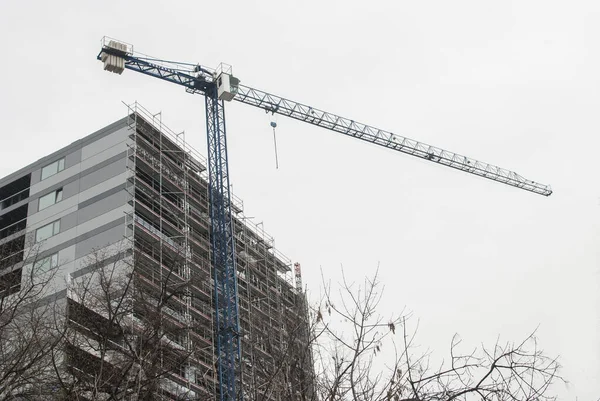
(134, 196)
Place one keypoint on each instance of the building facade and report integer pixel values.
(133, 197)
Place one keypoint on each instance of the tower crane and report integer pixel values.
(219, 86)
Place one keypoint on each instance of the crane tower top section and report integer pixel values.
(116, 55)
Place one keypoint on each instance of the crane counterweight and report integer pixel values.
(115, 61)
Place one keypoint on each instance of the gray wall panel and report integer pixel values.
(102, 206)
(113, 258)
(97, 147)
(101, 196)
(73, 158)
(70, 189)
(100, 240)
(103, 174)
(68, 221)
(33, 207)
(36, 175)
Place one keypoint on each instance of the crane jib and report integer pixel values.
(275, 104)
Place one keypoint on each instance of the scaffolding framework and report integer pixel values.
(169, 230)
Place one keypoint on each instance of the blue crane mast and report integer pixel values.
(219, 86)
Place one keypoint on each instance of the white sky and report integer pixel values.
(510, 83)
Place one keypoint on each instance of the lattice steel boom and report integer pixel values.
(320, 118)
(220, 85)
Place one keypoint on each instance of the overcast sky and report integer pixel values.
(510, 83)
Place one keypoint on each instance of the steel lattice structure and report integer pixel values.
(118, 56)
(223, 248)
(346, 126)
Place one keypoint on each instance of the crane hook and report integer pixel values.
(274, 125)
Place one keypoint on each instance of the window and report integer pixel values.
(47, 231)
(50, 199)
(53, 168)
(10, 283)
(44, 265)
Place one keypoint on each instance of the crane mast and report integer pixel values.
(223, 249)
(219, 86)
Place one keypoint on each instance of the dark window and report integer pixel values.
(15, 192)
(13, 221)
(12, 252)
(10, 283)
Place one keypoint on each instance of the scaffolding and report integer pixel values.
(168, 226)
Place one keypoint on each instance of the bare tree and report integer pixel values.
(122, 333)
(126, 334)
(26, 314)
(506, 371)
(282, 363)
(370, 358)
